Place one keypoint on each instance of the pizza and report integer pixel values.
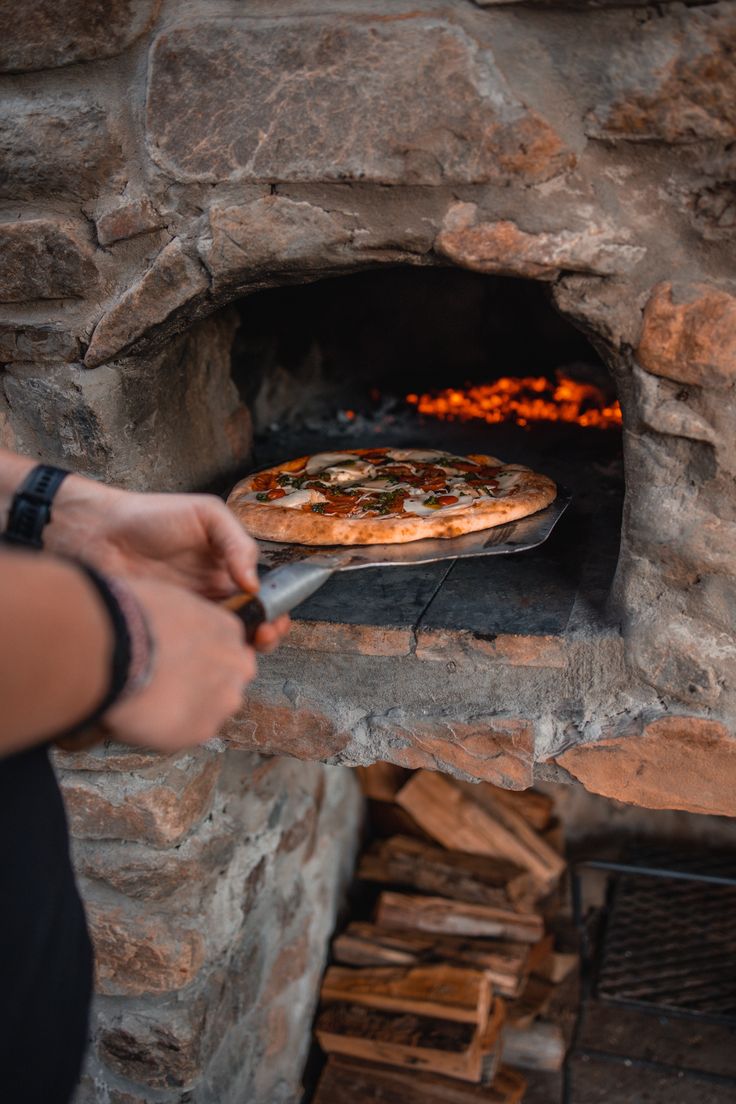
(386, 496)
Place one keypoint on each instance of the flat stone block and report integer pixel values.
(137, 952)
(173, 280)
(526, 595)
(461, 646)
(159, 808)
(494, 749)
(276, 725)
(44, 34)
(44, 259)
(55, 144)
(341, 637)
(674, 762)
(137, 216)
(406, 99)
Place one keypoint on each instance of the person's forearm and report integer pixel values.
(55, 649)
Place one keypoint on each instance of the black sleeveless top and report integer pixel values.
(45, 953)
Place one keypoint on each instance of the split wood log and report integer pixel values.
(491, 1042)
(365, 944)
(401, 860)
(447, 992)
(386, 818)
(437, 914)
(382, 781)
(540, 1046)
(347, 1081)
(480, 825)
(401, 1039)
(535, 807)
(552, 864)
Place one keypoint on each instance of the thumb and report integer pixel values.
(228, 538)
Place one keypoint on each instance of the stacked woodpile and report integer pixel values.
(439, 995)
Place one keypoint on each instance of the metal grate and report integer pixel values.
(670, 944)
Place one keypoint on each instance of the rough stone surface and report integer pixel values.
(149, 874)
(278, 727)
(506, 250)
(271, 235)
(43, 34)
(171, 281)
(178, 412)
(127, 220)
(493, 749)
(60, 144)
(203, 1016)
(672, 80)
(44, 259)
(407, 99)
(42, 344)
(673, 763)
(158, 809)
(689, 335)
(137, 953)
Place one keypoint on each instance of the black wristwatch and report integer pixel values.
(30, 510)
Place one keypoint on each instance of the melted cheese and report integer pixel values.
(300, 498)
(324, 460)
(421, 455)
(417, 506)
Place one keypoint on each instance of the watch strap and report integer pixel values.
(30, 510)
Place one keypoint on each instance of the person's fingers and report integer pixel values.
(269, 636)
(227, 537)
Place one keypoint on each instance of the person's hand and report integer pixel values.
(191, 540)
(201, 667)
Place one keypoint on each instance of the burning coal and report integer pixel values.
(523, 400)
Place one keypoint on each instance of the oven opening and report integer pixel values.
(443, 358)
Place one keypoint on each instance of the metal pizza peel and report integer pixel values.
(298, 570)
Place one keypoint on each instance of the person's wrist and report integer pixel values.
(81, 506)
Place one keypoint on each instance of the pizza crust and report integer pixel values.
(269, 521)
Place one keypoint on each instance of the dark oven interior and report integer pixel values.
(366, 360)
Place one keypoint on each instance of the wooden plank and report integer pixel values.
(454, 817)
(366, 944)
(401, 1039)
(401, 860)
(536, 808)
(382, 781)
(350, 1081)
(539, 1046)
(436, 914)
(455, 993)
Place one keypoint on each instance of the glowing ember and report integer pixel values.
(523, 400)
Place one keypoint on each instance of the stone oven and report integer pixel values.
(185, 186)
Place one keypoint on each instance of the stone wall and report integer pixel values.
(211, 882)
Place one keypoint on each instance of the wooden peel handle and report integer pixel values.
(249, 609)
